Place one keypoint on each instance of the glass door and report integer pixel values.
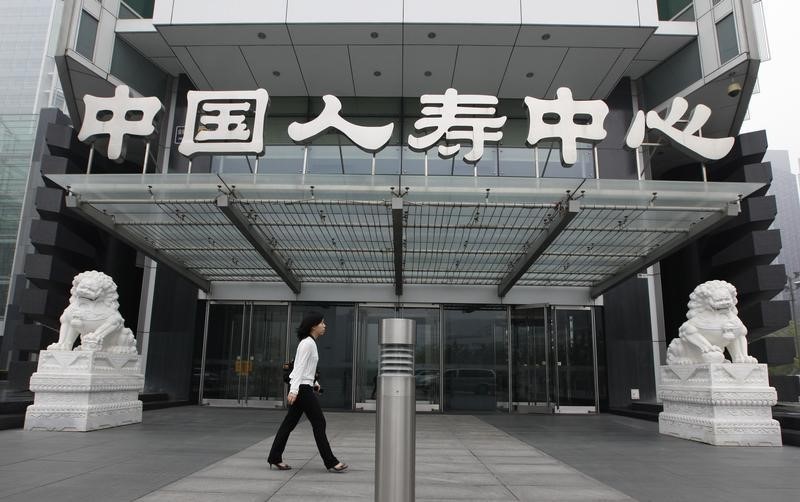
(530, 359)
(575, 371)
(245, 347)
(263, 378)
(553, 361)
(426, 354)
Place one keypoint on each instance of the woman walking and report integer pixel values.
(302, 397)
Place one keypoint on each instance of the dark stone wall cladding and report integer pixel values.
(63, 245)
(740, 252)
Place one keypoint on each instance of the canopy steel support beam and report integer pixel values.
(567, 210)
(107, 223)
(397, 243)
(230, 209)
(696, 231)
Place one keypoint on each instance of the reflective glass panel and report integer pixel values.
(475, 358)
(324, 159)
(574, 357)
(267, 352)
(529, 357)
(426, 355)
(550, 165)
(369, 326)
(87, 34)
(224, 347)
(726, 39)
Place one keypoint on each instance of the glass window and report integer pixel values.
(131, 67)
(675, 10)
(134, 9)
(676, 73)
(475, 358)
(726, 39)
(87, 34)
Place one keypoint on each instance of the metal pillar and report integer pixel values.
(395, 429)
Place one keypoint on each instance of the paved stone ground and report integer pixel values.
(210, 454)
(458, 458)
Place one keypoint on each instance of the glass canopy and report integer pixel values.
(454, 230)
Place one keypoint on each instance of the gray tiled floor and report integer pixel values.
(211, 454)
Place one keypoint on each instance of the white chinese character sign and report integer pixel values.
(117, 117)
(684, 139)
(370, 139)
(457, 117)
(225, 122)
(563, 125)
(232, 122)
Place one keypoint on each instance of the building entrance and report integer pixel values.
(553, 360)
(245, 348)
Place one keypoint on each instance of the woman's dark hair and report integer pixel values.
(309, 321)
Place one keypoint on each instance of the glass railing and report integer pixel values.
(544, 161)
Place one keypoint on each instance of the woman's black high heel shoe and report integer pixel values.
(340, 467)
(280, 466)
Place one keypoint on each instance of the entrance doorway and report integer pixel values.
(553, 360)
(245, 348)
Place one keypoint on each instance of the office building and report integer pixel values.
(459, 163)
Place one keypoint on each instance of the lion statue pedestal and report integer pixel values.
(706, 397)
(97, 385)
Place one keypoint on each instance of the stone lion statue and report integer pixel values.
(711, 327)
(93, 314)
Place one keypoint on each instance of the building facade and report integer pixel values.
(418, 160)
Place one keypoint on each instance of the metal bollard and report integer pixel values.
(395, 429)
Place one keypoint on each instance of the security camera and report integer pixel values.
(734, 89)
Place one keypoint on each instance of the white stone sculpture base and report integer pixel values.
(719, 404)
(85, 391)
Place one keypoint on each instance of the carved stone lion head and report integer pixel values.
(94, 286)
(712, 296)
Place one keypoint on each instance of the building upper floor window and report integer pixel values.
(726, 39)
(136, 9)
(675, 10)
(87, 35)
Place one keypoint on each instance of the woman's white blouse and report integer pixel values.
(305, 365)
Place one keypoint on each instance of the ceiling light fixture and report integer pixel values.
(431, 35)
(428, 73)
(376, 73)
(374, 34)
(546, 36)
(262, 35)
(529, 74)
(276, 73)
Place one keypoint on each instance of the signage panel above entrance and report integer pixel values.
(232, 122)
